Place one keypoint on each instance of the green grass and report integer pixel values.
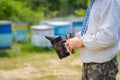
(26, 62)
(23, 48)
(48, 77)
(48, 65)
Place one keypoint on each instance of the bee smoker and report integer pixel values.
(58, 42)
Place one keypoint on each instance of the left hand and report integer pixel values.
(74, 43)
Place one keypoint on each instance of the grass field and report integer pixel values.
(40, 65)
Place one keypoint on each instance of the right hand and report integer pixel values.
(74, 43)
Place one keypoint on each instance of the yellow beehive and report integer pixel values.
(19, 31)
(19, 26)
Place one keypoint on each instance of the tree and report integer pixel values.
(16, 11)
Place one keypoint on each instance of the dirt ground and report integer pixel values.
(49, 69)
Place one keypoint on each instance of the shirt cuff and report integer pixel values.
(78, 34)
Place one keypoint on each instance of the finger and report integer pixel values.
(69, 49)
(67, 42)
(67, 36)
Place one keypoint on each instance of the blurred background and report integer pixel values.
(25, 54)
(34, 11)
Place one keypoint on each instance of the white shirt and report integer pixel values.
(102, 37)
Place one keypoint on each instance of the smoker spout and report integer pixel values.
(51, 38)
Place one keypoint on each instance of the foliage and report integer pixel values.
(21, 48)
(80, 12)
(88, 2)
(32, 11)
(63, 7)
(16, 11)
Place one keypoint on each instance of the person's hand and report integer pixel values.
(74, 43)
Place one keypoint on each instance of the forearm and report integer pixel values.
(99, 40)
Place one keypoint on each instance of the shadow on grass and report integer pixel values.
(30, 48)
(4, 53)
(23, 49)
(49, 77)
(27, 47)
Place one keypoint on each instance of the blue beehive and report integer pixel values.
(77, 26)
(61, 27)
(5, 34)
(19, 31)
(77, 23)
